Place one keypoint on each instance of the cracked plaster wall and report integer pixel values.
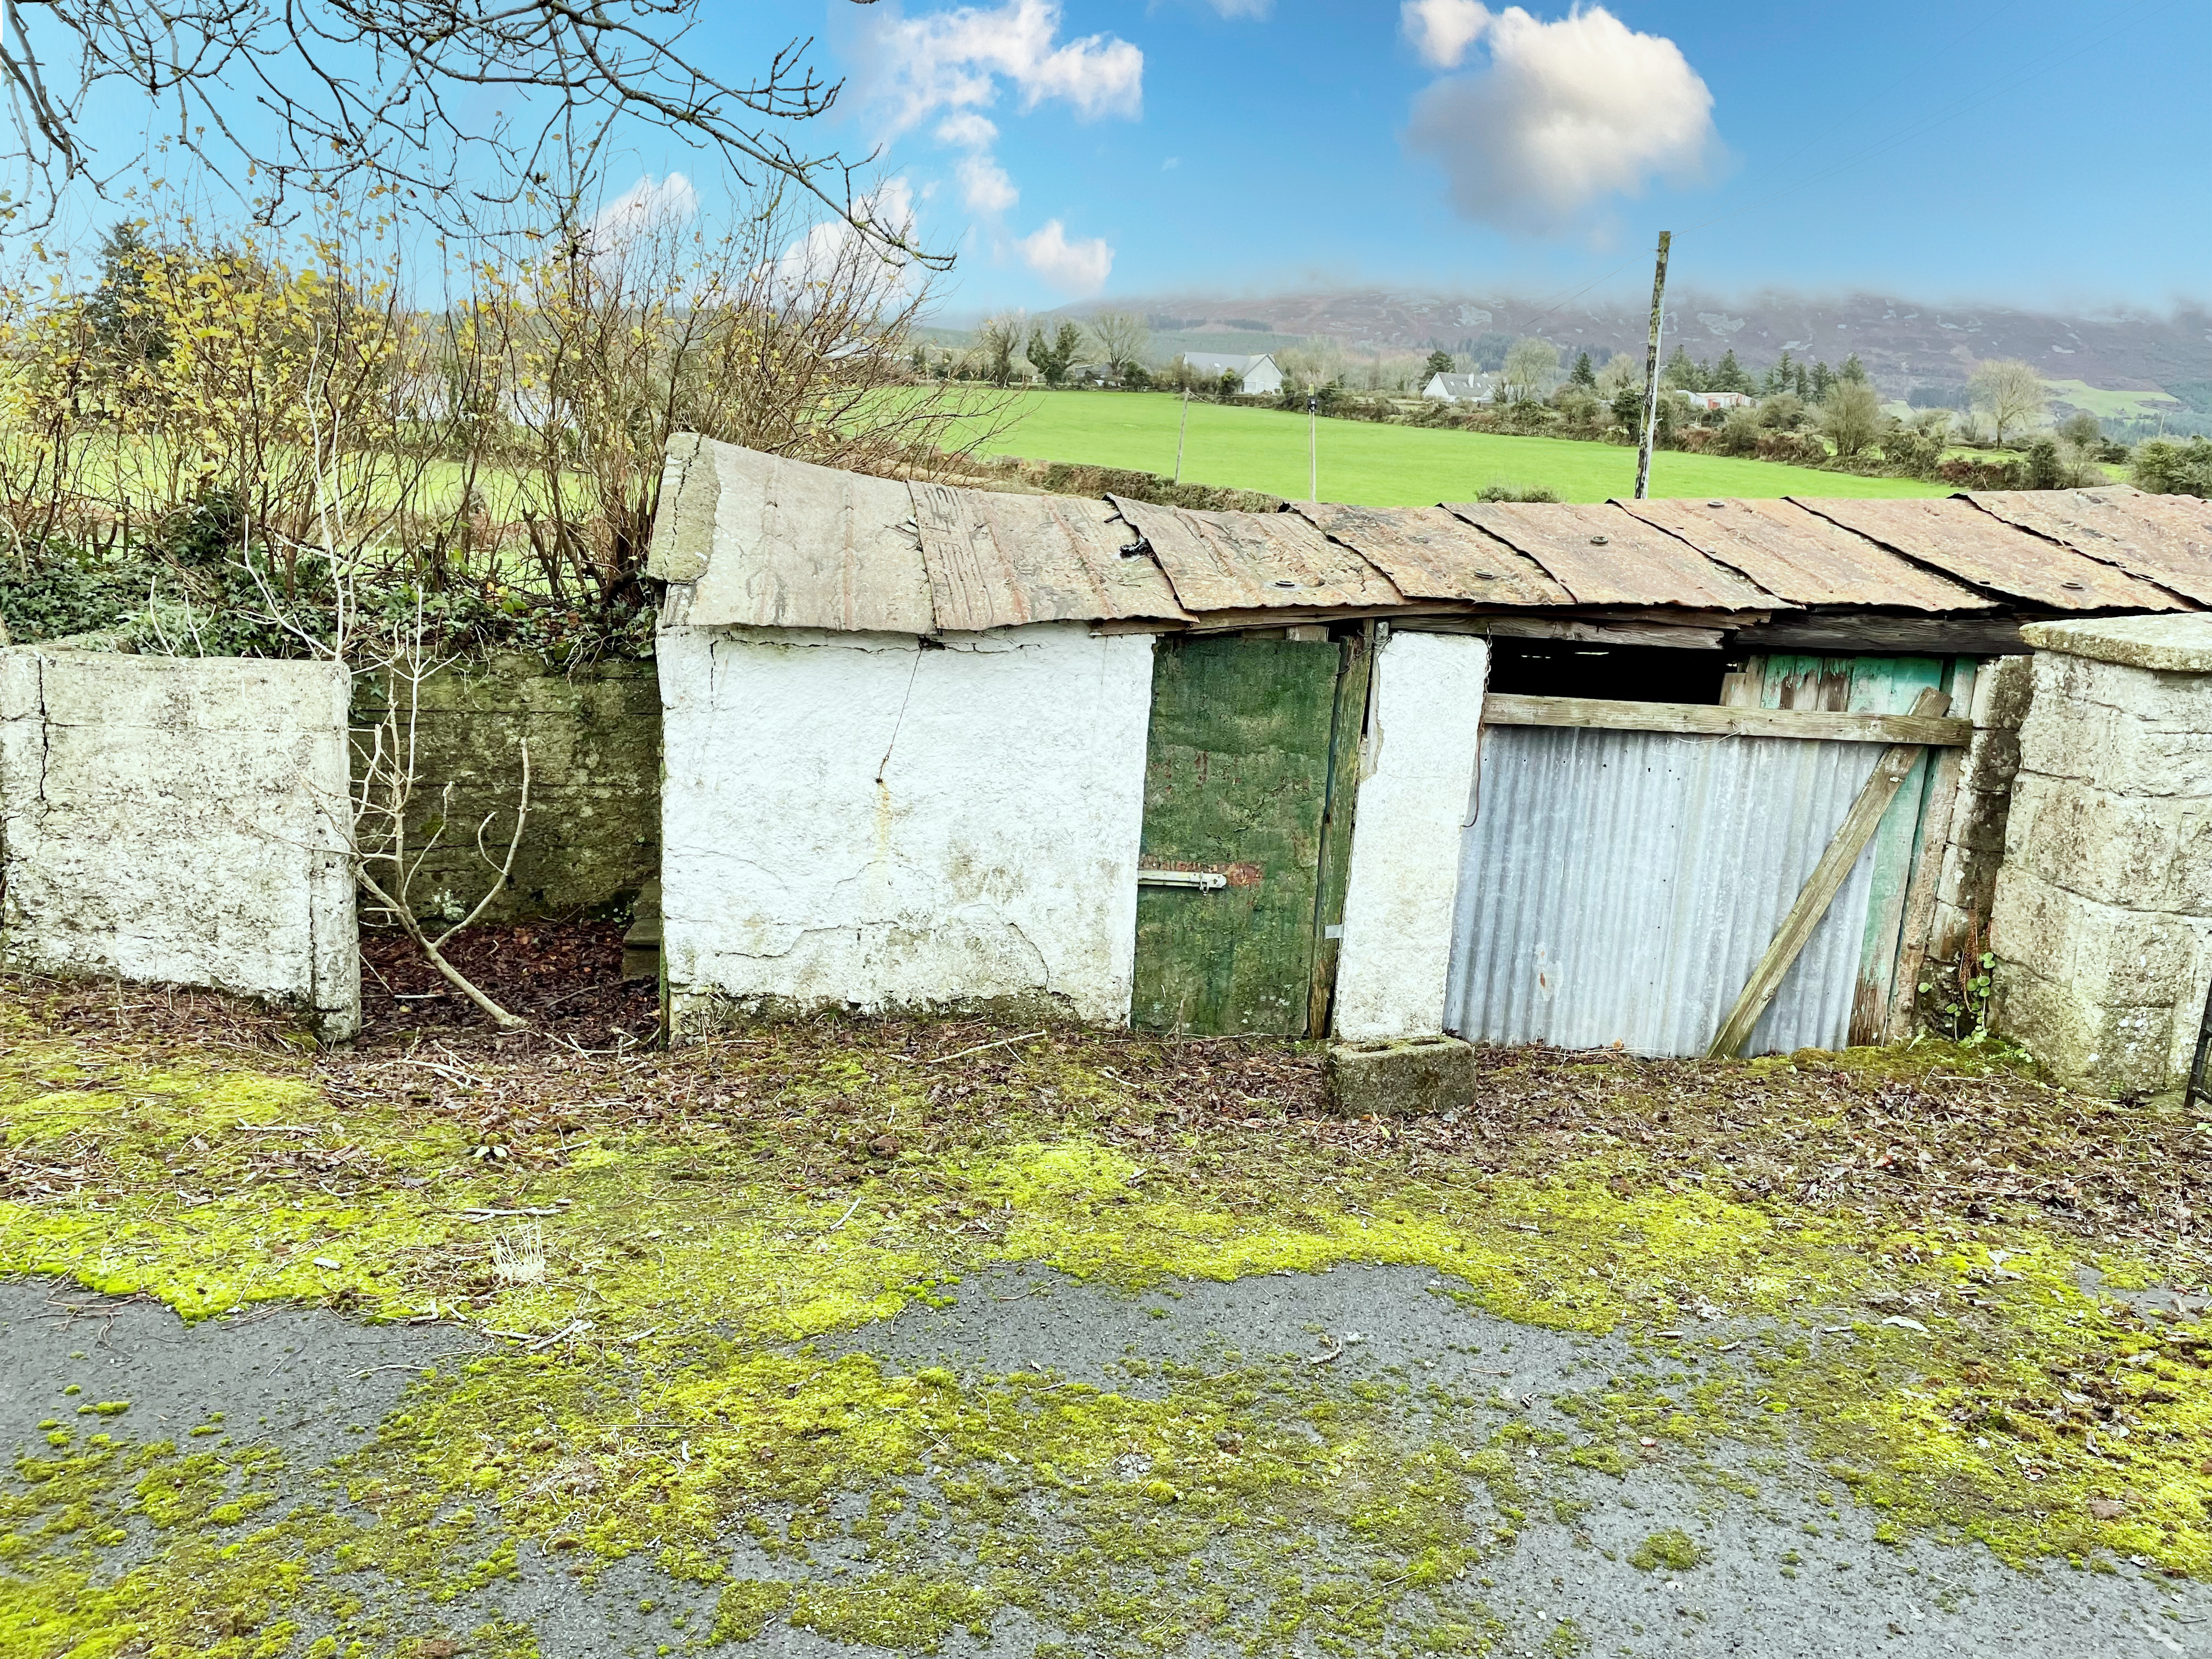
(1417, 769)
(870, 821)
(180, 821)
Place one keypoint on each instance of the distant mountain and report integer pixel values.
(1906, 345)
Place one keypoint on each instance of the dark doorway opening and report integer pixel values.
(1623, 673)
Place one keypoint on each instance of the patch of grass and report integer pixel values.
(1372, 465)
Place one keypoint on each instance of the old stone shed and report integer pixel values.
(1515, 772)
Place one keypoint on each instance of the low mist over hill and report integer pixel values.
(1906, 345)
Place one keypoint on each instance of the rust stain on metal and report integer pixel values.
(1958, 538)
(1255, 560)
(1603, 556)
(1804, 558)
(1431, 554)
(2167, 539)
(998, 560)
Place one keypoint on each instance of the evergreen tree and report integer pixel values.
(1853, 369)
(122, 318)
(1585, 376)
(1730, 376)
(1804, 386)
(1440, 362)
(1681, 374)
(1053, 357)
(1823, 378)
(1781, 375)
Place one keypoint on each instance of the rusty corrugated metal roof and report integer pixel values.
(2167, 539)
(995, 561)
(1804, 558)
(1958, 539)
(1255, 560)
(1432, 554)
(1602, 556)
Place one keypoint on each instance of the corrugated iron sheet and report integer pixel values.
(998, 560)
(1602, 556)
(1958, 538)
(796, 546)
(1431, 554)
(2167, 539)
(1801, 557)
(1620, 887)
(1255, 560)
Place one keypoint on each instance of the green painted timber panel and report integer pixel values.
(1871, 685)
(1235, 783)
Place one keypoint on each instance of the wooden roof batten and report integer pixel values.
(745, 539)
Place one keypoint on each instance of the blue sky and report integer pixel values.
(2030, 151)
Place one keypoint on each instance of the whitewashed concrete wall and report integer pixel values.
(180, 821)
(1418, 771)
(860, 820)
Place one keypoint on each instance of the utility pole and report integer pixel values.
(1179, 431)
(1313, 449)
(1651, 370)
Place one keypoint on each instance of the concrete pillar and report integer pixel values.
(1416, 780)
(2103, 921)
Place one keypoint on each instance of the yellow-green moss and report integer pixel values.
(687, 1263)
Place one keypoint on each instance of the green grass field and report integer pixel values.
(1375, 465)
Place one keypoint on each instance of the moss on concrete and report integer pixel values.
(662, 1385)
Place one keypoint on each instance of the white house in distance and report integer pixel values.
(1718, 399)
(1255, 376)
(1461, 388)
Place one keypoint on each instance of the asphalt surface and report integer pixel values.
(1784, 1575)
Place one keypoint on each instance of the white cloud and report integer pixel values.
(1242, 8)
(1074, 268)
(966, 129)
(1564, 114)
(957, 60)
(818, 256)
(984, 185)
(647, 206)
(1443, 30)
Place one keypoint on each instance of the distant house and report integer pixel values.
(1718, 399)
(1258, 376)
(1461, 388)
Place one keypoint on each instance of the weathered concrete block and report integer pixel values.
(1992, 758)
(2119, 750)
(1403, 1077)
(2141, 853)
(2114, 1048)
(2003, 692)
(2178, 642)
(2101, 952)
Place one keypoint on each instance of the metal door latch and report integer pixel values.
(1205, 880)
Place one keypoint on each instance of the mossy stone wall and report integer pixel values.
(593, 834)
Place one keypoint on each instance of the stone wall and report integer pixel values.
(2103, 918)
(593, 837)
(180, 821)
(878, 822)
(1974, 832)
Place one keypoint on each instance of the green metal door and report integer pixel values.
(1238, 786)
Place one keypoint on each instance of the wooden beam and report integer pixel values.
(1718, 720)
(1569, 628)
(1825, 882)
(1851, 632)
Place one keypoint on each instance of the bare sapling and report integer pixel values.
(385, 798)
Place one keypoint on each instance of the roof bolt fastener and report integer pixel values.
(1599, 541)
(2077, 587)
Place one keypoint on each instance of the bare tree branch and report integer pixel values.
(392, 92)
